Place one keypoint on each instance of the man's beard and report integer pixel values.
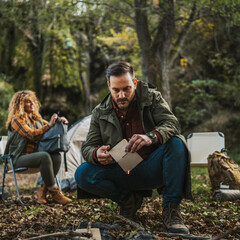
(125, 105)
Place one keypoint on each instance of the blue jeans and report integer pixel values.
(166, 166)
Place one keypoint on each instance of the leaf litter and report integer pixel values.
(203, 218)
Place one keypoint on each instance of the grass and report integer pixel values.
(200, 181)
(34, 210)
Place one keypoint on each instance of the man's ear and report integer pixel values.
(135, 82)
(108, 83)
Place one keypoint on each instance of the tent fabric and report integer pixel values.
(76, 135)
(3, 142)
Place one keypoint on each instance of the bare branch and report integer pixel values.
(130, 222)
(225, 234)
(85, 235)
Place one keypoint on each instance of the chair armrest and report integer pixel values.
(6, 156)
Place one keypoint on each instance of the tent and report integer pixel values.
(76, 135)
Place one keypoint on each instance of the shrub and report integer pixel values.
(195, 102)
(6, 92)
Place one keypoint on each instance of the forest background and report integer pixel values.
(189, 49)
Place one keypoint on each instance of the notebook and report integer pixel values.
(126, 160)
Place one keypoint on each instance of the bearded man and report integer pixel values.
(135, 111)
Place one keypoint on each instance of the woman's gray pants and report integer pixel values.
(49, 164)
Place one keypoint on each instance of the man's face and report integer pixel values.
(122, 89)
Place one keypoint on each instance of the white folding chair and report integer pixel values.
(201, 144)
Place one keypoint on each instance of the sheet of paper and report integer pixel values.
(126, 160)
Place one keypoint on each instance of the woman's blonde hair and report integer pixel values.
(16, 106)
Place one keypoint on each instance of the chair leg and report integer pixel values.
(15, 180)
(3, 180)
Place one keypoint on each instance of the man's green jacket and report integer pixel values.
(155, 114)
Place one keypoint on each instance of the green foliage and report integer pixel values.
(102, 94)
(229, 93)
(126, 43)
(62, 48)
(232, 130)
(195, 101)
(235, 155)
(61, 60)
(23, 66)
(6, 92)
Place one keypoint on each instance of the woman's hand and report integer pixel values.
(62, 119)
(52, 120)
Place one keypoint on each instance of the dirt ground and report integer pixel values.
(205, 219)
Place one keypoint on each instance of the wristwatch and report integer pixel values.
(153, 136)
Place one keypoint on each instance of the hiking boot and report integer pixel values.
(58, 197)
(42, 195)
(130, 205)
(172, 219)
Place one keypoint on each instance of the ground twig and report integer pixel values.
(84, 236)
(130, 222)
(225, 234)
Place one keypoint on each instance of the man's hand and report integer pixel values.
(103, 156)
(137, 141)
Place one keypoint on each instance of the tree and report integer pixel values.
(155, 51)
(162, 29)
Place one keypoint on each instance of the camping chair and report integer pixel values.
(9, 169)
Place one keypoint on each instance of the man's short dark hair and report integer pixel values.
(118, 69)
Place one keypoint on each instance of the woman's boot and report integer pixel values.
(58, 196)
(42, 195)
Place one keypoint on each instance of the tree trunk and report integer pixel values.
(36, 46)
(164, 73)
(155, 52)
(145, 42)
(37, 56)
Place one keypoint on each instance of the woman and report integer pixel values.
(25, 128)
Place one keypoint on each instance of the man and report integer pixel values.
(138, 113)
